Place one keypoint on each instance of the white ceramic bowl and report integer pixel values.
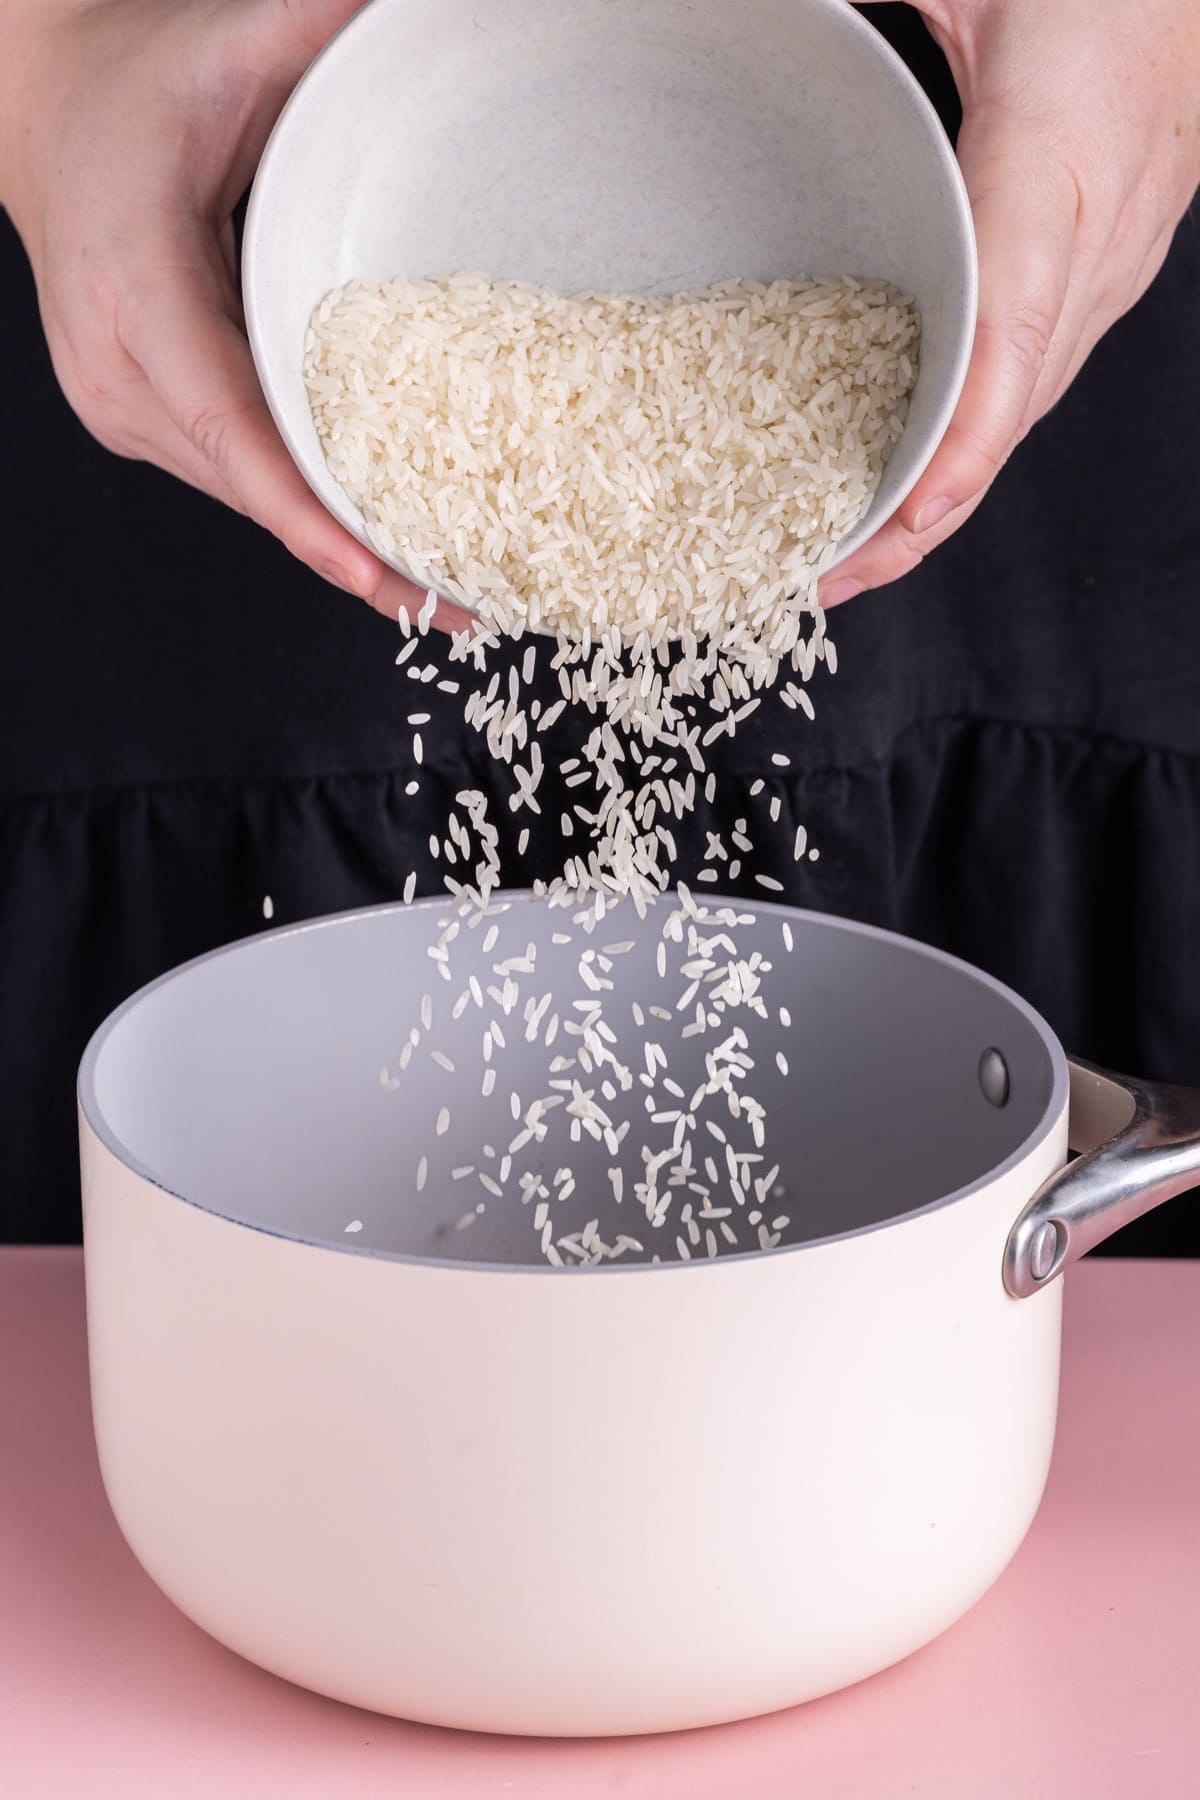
(646, 146)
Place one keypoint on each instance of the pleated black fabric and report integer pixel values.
(1006, 764)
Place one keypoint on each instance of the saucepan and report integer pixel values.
(357, 1427)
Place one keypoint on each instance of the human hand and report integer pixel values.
(128, 131)
(1080, 145)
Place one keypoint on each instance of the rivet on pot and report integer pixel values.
(1043, 1250)
(993, 1077)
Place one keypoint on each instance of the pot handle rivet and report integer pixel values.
(993, 1077)
(1043, 1250)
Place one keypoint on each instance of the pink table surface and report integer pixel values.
(1078, 1675)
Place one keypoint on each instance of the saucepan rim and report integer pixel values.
(93, 1113)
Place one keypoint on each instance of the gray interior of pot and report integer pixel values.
(249, 1082)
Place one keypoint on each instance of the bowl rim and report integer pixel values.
(92, 1113)
(964, 313)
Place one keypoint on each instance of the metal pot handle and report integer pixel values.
(1140, 1144)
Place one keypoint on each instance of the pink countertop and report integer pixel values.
(1076, 1678)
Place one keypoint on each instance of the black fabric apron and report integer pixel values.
(1006, 764)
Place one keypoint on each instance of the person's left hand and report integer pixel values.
(1080, 145)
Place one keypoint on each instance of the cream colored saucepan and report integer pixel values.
(413, 1467)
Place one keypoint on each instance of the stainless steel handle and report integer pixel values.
(1140, 1144)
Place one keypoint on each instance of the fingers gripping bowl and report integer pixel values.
(419, 1470)
(662, 148)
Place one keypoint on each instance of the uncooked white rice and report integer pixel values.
(658, 484)
(690, 459)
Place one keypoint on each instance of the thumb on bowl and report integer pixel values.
(288, 34)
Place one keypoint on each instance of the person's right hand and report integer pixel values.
(129, 132)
